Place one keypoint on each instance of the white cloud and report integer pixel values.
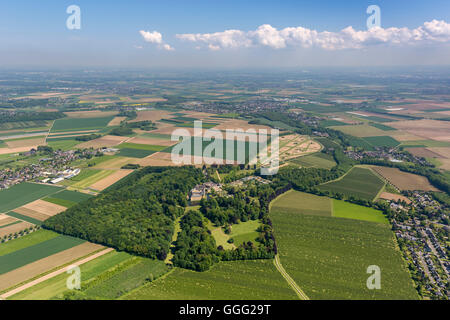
(156, 38)
(348, 38)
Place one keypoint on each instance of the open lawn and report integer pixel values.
(237, 280)
(359, 182)
(245, 231)
(23, 193)
(328, 257)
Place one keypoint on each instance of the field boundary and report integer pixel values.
(53, 274)
(302, 295)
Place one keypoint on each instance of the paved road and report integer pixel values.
(289, 280)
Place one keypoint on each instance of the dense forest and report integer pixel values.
(136, 215)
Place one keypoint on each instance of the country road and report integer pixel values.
(289, 280)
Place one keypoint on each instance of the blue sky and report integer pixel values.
(34, 33)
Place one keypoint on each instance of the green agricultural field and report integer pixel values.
(425, 143)
(360, 130)
(23, 124)
(136, 146)
(302, 203)
(245, 231)
(358, 182)
(332, 123)
(318, 160)
(135, 153)
(328, 257)
(27, 241)
(60, 202)
(236, 280)
(99, 175)
(342, 209)
(84, 174)
(382, 126)
(204, 144)
(24, 218)
(128, 279)
(155, 136)
(72, 196)
(64, 145)
(23, 193)
(19, 258)
(3, 144)
(55, 287)
(382, 141)
(80, 124)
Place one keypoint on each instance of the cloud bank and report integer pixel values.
(267, 36)
(156, 38)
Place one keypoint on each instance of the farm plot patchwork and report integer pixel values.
(302, 203)
(55, 287)
(80, 124)
(23, 193)
(358, 182)
(342, 209)
(318, 160)
(328, 257)
(43, 265)
(404, 180)
(255, 280)
(19, 258)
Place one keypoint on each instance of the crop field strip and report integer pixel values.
(358, 182)
(314, 249)
(85, 183)
(80, 124)
(54, 288)
(23, 193)
(236, 280)
(36, 252)
(47, 264)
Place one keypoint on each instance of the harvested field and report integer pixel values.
(152, 115)
(106, 141)
(5, 220)
(16, 150)
(360, 131)
(44, 207)
(240, 124)
(404, 180)
(13, 229)
(442, 151)
(423, 152)
(25, 142)
(152, 141)
(116, 121)
(445, 164)
(110, 180)
(404, 136)
(36, 268)
(71, 133)
(429, 129)
(90, 114)
(115, 163)
(393, 196)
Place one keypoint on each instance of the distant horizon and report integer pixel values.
(224, 34)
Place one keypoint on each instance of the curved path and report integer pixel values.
(289, 280)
